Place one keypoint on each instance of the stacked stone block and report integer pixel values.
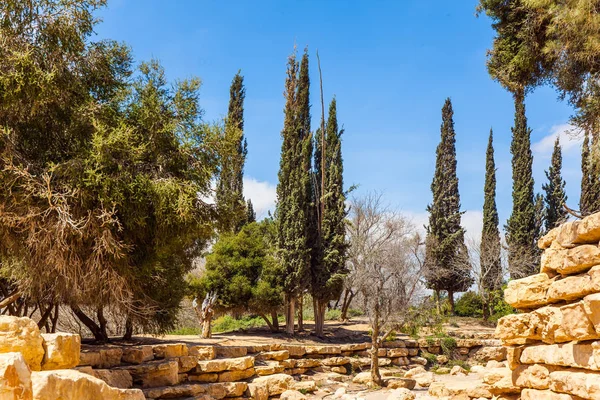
(553, 344)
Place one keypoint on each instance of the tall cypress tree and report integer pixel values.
(293, 190)
(521, 224)
(584, 199)
(250, 213)
(490, 263)
(555, 196)
(328, 275)
(230, 185)
(446, 254)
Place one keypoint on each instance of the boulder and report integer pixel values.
(137, 354)
(362, 378)
(74, 385)
(458, 370)
(401, 394)
(276, 384)
(535, 376)
(292, 395)
(397, 383)
(22, 335)
(424, 380)
(258, 391)
(588, 229)
(15, 377)
(414, 372)
(61, 350)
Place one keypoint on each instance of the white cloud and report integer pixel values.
(263, 195)
(472, 221)
(570, 138)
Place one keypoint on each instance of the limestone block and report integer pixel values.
(61, 350)
(401, 394)
(575, 287)
(488, 353)
(579, 259)
(274, 355)
(137, 354)
(206, 378)
(355, 346)
(513, 356)
(184, 390)
(113, 377)
(276, 384)
(236, 375)
(305, 386)
(397, 383)
(170, 350)
(552, 259)
(582, 384)
(154, 373)
(105, 357)
(588, 229)
(400, 361)
(231, 351)
(398, 352)
(294, 350)
(226, 364)
(545, 241)
(22, 335)
(74, 385)
(578, 355)
(394, 344)
(322, 349)
(234, 389)
(500, 381)
(335, 361)
(532, 394)
(203, 352)
(187, 363)
(528, 292)
(15, 377)
(292, 395)
(339, 370)
(567, 234)
(535, 376)
(258, 391)
(269, 369)
(307, 363)
(574, 325)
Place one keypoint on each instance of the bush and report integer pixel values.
(187, 330)
(227, 323)
(448, 345)
(500, 308)
(355, 312)
(332, 315)
(470, 304)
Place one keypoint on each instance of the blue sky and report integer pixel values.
(390, 64)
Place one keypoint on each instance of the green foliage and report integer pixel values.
(555, 196)
(448, 345)
(186, 331)
(431, 358)
(333, 315)
(500, 307)
(355, 312)
(470, 304)
(521, 226)
(446, 255)
(227, 323)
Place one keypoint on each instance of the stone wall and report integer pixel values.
(553, 344)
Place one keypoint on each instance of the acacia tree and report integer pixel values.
(386, 261)
(101, 173)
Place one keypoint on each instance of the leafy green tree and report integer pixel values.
(243, 273)
(490, 248)
(328, 275)
(101, 172)
(293, 189)
(446, 259)
(230, 185)
(250, 214)
(520, 228)
(555, 196)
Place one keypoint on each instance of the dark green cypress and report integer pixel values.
(555, 196)
(328, 275)
(250, 213)
(521, 224)
(490, 248)
(585, 202)
(293, 189)
(446, 255)
(230, 185)
(593, 190)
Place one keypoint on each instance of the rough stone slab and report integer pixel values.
(137, 354)
(101, 357)
(294, 350)
(113, 377)
(276, 384)
(536, 376)
(69, 384)
(170, 350)
(575, 287)
(488, 353)
(202, 352)
(273, 355)
(61, 350)
(583, 384)
(546, 241)
(206, 378)
(15, 377)
(232, 376)
(319, 349)
(588, 229)
(22, 335)
(528, 292)
(532, 394)
(225, 364)
(154, 373)
(187, 363)
(399, 352)
(336, 361)
(231, 351)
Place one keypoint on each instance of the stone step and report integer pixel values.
(214, 390)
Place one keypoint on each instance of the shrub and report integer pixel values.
(332, 315)
(355, 312)
(227, 323)
(448, 345)
(500, 308)
(470, 304)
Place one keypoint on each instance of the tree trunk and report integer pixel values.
(90, 324)
(375, 375)
(275, 319)
(128, 328)
(289, 315)
(206, 331)
(54, 318)
(320, 307)
(437, 301)
(10, 299)
(346, 304)
(269, 324)
(45, 314)
(205, 312)
(300, 311)
(102, 320)
(451, 301)
(486, 309)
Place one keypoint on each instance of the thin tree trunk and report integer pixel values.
(128, 328)
(451, 301)
(289, 315)
(54, 318)
(275, 320)
(10, 299)
(300, 311)
(346, 305)
(320, 308)
(45, 314)
(206, 331)
(11, 308)
(375, 375)
(269, 324)
(102, 321)
(437, 301)
(90, 324)
(486, 308)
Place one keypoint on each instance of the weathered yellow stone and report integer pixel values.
(170, 350)
(113, 377)
(567, 234)
(137, 354)
(398, 352)
(202, 352)
(61, 350)
(533, 394)
(22, 335)
(575, 287)
(500, 381)
(545, 241)
(321, 349)
(74, 385)
(528, 292)
(579, 259)
(276, 384)
(226, 364)
(155, 373)
(274, 355)
(15, 377)
(574, 324)
(207, 378)
(582, 384)
(573, 354)
(294, 350)
(258, 390)
(236, 375)
(292, 395)
(588, 229)
(552, 259)
(535, 376)
(231, 351)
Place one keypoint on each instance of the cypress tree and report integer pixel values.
(555, 196)
(446, 256)
(328, 276)
(293, 190)
(521, 224)
(230, 185)
(593, 176)
(584, 199)
(250, 214)
(490, 263)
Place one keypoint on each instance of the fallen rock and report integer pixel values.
(401, 394)
(61, 350)
(22, 335)
(15, 377)
(292, 395)
(397, 383)
(362, 378)
(458, 370)
(305, 386)
(276, 384)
